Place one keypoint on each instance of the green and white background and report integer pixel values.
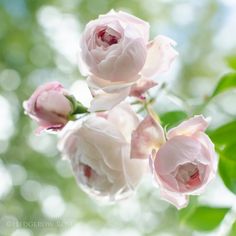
(38, 43)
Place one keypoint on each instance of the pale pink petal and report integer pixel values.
(189, 127)
(124, 118)
(107, 138)
(139, 24)
(177, 199)
(30, 104)
(106, 101)
(209, 148)
(96, 83)
(68, 139)
(209, 145)
(142, 86)
(130, 61)
(120, 62)
(151, 159)
(134, 169)
(148, 136)
(176, 151)
(107, 94)
(53, 103)
(160, 56)
(51, 128)
(106, 67)
(127, 19)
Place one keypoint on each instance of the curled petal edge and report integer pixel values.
(148, 136)
(160, 56)
(190, 127)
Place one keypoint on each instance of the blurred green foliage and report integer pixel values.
(227, 82)
(204, 218)
(225, 140)
(173, 118)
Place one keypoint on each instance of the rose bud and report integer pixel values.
(49, 107)
(99, 151)
(115, 52)
(183, 163)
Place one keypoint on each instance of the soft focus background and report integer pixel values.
(38, 43)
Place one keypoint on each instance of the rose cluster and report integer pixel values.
(111, 147)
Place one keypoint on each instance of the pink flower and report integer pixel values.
(116, 53)
(99, 151)
(49, 106)
(183, 163)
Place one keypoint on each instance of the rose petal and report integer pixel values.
(142, 85)
(175, 152)
(189, 127)
(210, 149)
(106, 101)
(160, 56)
(96, 83)
(177, 199)
(130, 61)
(95, 131)
(140, 25)
(52, 103)
(30, 104)
(67, 143)
(134, 169)
(209, 145)
(148, 136)
(107, 94)
(124, 118)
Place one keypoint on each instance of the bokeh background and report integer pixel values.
(39, 43)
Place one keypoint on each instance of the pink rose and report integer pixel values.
(116, 54)
(183, 163)
(99, 151)
(49, 106)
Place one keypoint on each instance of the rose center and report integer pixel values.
(188, 174)
(87, 171)
(107, 37)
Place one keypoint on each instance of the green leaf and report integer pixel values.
(233, 230)
(227, 172)
(230, 152)
(231, 61)
(173, 118)
(205, 218)
(187, 211)
(224, 135)
(80, 109)
(72, 101)
(77, 107)
(225, 140)
(227, 82)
